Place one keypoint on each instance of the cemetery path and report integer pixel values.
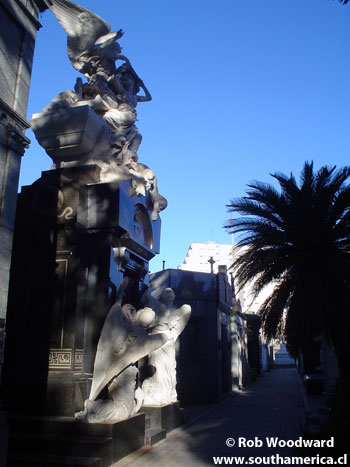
(270, 407)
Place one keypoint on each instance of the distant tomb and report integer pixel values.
(204, 348)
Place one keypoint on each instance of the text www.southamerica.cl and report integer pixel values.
(277, 459)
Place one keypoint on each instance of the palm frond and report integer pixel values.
(298, 239)
(272, 310)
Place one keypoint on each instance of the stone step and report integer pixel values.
(154, 435)
(52, 444)
(68, 425)
(125, 436)
(169, 416)
(58, 425)
(284, 362)
(38, 460)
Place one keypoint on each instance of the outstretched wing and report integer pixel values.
(83, 28)
(108, 368)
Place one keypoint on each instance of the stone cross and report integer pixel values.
(211, 261)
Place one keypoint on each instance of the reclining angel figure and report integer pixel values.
(123, 341)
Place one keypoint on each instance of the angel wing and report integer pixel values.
(179, 318)
(83, 28)
(105, 369)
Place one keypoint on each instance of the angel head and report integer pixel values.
(145, 317)
(127, 79)
(167, 296)
(103, 56)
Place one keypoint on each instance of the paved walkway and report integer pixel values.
(270, 407)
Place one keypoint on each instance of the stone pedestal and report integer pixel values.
(168, 416)
(59, 439)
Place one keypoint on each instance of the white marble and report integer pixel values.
(123, 341)
(160, 388)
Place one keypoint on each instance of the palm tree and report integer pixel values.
(298, 238)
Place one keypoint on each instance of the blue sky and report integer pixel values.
(241, 89)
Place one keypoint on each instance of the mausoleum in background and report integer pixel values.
(250, 354)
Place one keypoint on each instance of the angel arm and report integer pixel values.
(147, 97)
(122, 57)
(128, 67)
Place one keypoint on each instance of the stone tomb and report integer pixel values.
(75, 240)
(61, 440)
(203, 349)
(168, 417)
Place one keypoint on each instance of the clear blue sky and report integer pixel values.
(241, 88)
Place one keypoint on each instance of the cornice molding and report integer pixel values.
(12, 115)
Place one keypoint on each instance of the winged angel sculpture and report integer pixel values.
(125, 338)
(111, 92)
(160, 388)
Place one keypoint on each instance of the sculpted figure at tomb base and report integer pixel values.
(160, 388)
(123, 341)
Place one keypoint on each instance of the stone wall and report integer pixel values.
(18, 27)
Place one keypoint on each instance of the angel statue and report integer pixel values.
(123, 341)
(160, 388)
(112, 92)
(95, 123)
